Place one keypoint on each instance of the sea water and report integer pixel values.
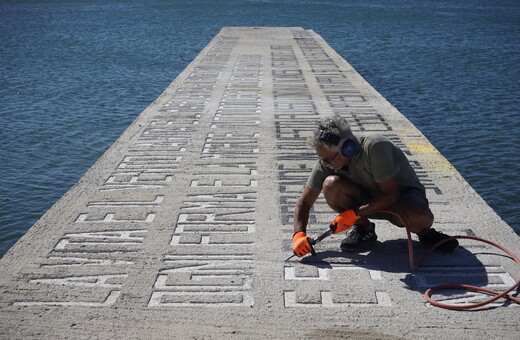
(75, 74)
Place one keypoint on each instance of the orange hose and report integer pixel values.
(427, 294)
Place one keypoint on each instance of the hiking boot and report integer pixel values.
(358, 236)
(433, 237)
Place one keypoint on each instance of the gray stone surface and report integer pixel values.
(181, 229)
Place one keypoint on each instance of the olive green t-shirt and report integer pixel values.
(376, 160)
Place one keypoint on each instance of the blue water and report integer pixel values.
(74, 75)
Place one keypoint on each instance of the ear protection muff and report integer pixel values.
(349, 147)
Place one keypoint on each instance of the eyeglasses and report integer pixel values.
(326, 161)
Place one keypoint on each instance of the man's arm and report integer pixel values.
(302, 209)
(389, 194)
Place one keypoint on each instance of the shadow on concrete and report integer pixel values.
(460, 267)
(392, 256)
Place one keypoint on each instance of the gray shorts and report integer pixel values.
(411, 193)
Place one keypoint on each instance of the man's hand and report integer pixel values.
(345, 221)
(301, 245)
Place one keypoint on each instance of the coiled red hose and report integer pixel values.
(427, 294)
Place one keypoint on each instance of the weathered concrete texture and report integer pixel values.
(181, 229)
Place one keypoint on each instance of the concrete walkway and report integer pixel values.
(181, 229)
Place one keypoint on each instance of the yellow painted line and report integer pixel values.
(420, 148)
(436, 162)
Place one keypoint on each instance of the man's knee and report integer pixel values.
(332, 184)
(339, 193)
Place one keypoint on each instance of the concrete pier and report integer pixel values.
(181, 229)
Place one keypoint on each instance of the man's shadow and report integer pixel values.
(459, 267)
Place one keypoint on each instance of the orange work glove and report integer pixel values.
(344, 221)
(301, 244)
